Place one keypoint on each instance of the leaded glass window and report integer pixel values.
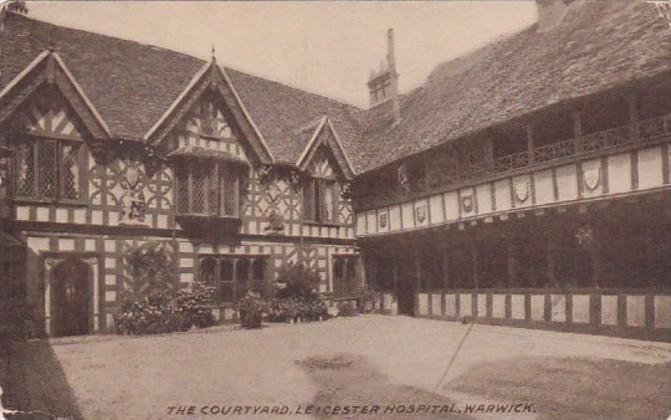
(47, 170)
(319, 200)
(208, 189)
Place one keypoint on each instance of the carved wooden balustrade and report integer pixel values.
(644, 131)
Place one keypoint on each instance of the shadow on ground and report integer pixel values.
(575, 388)
(350, 380)
(36, 384)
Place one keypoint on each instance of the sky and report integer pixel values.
(323, 47)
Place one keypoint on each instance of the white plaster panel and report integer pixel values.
(371, 223)
(186, 262)
(567, 183)
(619, 173)
(544, 187)
(383, 216)
(110, 279)
(66, 244)
(517, 307)
(43, 214)
(97, 217)
(89, 245)
(186, 277)
(650, 168)
(110, 296)
(407, 211)
(62, 215)
(110, 262)
(581, 309)
(498, 306)
(484, 194)
(22, 213)
(589, 168)
(451, 205)
(110, 245)
(537, 307)
(450, 305)
(395, 217)
(436, 305)
(185, 246)
(636, 311)
(80, 216)
(361, 223)
(38, 243)
(465, 305)
(502, 195)
(465, 194)
(423, 301)
(109, 321)
(436, 208)
(662, 311)
(482, 305)
(609, 310)
(558, 308)
(162, 221)
(419, 205)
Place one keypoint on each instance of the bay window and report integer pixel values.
(48, 170)
(319, 200)
(207, 188)
(236, 274)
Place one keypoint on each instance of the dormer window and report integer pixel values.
(208, 188)
(319, 200)
(48, 170)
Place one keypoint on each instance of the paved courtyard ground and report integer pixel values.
(396, 363)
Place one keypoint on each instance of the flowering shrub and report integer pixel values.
(148, 315)
(296, 308)
(193, 305)
(251, 309)
(346, 309)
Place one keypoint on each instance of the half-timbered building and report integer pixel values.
(525, 183)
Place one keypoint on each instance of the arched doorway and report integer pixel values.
(71, 282)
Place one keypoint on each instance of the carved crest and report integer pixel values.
(403, 174)
(467, 203)
(592, 178)
(420, 213)
(521, 189)
(383, 220)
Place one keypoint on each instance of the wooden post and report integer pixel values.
(446, 266)
(551, 262)
(394, 274)
(596, 257)
(632, 102)
(577, 131)
(512, 262)
(418, 266)
(530, 144)
(474, 254)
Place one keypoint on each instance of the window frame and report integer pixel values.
(319, 187)
(251, 283)
(220, 173)
(34, 142)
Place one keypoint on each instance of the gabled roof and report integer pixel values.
(323, 133)
(133, 85)
(597, 46)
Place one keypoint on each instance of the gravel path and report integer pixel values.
(141, 377)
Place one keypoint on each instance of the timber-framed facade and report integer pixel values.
(536, 197)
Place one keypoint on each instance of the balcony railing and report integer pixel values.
(643, 131)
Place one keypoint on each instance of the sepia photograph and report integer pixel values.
(360, 210)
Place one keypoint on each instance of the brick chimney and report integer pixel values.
(551, 13)
(383, 84)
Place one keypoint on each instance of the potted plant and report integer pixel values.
(251, 309)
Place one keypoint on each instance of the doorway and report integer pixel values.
(72, 286)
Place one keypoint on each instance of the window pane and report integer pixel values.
(199, 177)
(328, 200)
(226, 292)
(226, 285)
(230, 187)
(182, 189)
(70, 174)
(258, 275)
(25, 169)
(212, 191)
(242, 277)
(207, 270)
(308, 200)
(226, 273)
(46, 164)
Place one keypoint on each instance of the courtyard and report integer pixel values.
(364, 367)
